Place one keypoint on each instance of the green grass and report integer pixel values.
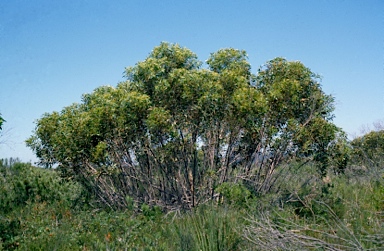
(342, 212)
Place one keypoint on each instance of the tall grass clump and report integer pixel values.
(206, 228)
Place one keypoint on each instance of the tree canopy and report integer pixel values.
(173, 131)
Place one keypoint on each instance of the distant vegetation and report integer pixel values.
(179, 157)
(1, 122)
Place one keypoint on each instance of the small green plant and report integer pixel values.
(234, 193)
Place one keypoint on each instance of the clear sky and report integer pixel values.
(52, 52)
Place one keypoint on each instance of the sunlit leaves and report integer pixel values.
(172, 132)
(175, 57)
(158, 120)
(248, 101)
(165, 58)
(230, 60)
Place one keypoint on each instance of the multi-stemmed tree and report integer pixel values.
(175, 131)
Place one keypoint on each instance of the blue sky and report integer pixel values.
(52, 52)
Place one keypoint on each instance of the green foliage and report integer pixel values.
(173, 132)
(9, 229)
(339, 154)
(23, 186)
(151, 212)
(44, 227)
(338, 212)
(21, 183)
(1, 121)
(234, 193)
(207, 228)
(369, 149)
(230, 60)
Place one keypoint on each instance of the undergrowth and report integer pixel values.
(40, 211)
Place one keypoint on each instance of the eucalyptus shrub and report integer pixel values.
(173, 131)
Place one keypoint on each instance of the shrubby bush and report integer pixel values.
(173, 132)
(22, 182)
(368, 150)
(22, 186)
(234, 194)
